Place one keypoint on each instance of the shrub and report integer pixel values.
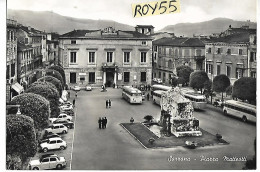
(148, 118)
(60, 70)
(48, 91)
(54, 81)
(20, 140)
(55, 74)
(34, 106)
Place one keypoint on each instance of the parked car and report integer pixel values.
(53, 143)
(56, 128)
(76, 88)
(68, 112)
(48, 161)
(159, 81)
(218, 103)
(88, 88)
(65, 122)
(50, 135)
(66, 107)
(61, 116)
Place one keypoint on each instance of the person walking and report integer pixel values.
(76, 95)
(105, 122)
(99, 123)
(148, 96)
(68, 94)
(73, 102)
(109, 103)
(106, 103)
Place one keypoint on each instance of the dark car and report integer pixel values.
(50, 135)
(46, 137)
(65, 122)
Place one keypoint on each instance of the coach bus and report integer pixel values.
(157, 94)
(244, 111)
(132, 95)
(198, 100)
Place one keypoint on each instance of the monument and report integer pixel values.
(177, 114)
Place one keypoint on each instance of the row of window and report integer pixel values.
(75, 42)
(209, 70)
(109, 57)
(195, 100)
(10, 36)
(221, 51)
(241, 109)
(178, 52)
(92, 77)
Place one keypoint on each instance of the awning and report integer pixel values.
(18, 88)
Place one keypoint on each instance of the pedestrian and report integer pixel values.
(149, 87)
(68, 94)
(76, 95)
(106, 103)
(99, 123)
(148, 96)
(109, 103)
(105, 122)
(73, 102)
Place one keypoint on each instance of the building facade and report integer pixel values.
(13, 88)
(169, 53)
(232, 55)
(106, 57)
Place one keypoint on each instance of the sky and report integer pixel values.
(120, 10)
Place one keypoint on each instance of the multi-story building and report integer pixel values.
(230, 55)
(169, 53)
(53, 48)
(13, 88)
(109, 56)
(32, 53)
(252, 56)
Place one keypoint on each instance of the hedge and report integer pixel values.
(54, 81)
(60, 70)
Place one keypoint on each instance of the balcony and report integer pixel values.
(199, 58)
(109, 66)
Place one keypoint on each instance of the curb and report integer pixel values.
(134, 137)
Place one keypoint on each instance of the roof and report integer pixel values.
(241, 30)
(99, 34)
(144, 26)
(180, 42)
(31, 31)
(234, 38)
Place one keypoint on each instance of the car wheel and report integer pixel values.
(35, 168)
(68, 119)
(225, 112)
(244, 118)
(68, 126)
(64, 131)
(62, 148)
(45, 150)
(59, 166)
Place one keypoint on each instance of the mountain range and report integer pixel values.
(52, 22)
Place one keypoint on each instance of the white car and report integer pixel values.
(88, 88)
(53, 143)
(56, 128)
(159, 81)
(76, 88)
(64, 116)
(66, 107)
(48, 161)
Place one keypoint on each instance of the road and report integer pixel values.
(114, 149)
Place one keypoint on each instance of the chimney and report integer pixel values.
(29, 28)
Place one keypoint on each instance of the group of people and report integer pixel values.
(102, 122)
(108, 103)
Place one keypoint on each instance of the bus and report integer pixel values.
(198, 100)
(132, 95)
(160, 87)
(157, 94)
(245, 111)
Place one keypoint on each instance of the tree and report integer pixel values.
(174, 81)
(55, 74)
(197, 79)
(48, 91)
(54, 81)
(34, 106)
(20, 141)
(184, 73)
(220, 83)
(208, 89)
(245, 89)
(60, 70)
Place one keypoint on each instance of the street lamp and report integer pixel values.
(18, 111)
